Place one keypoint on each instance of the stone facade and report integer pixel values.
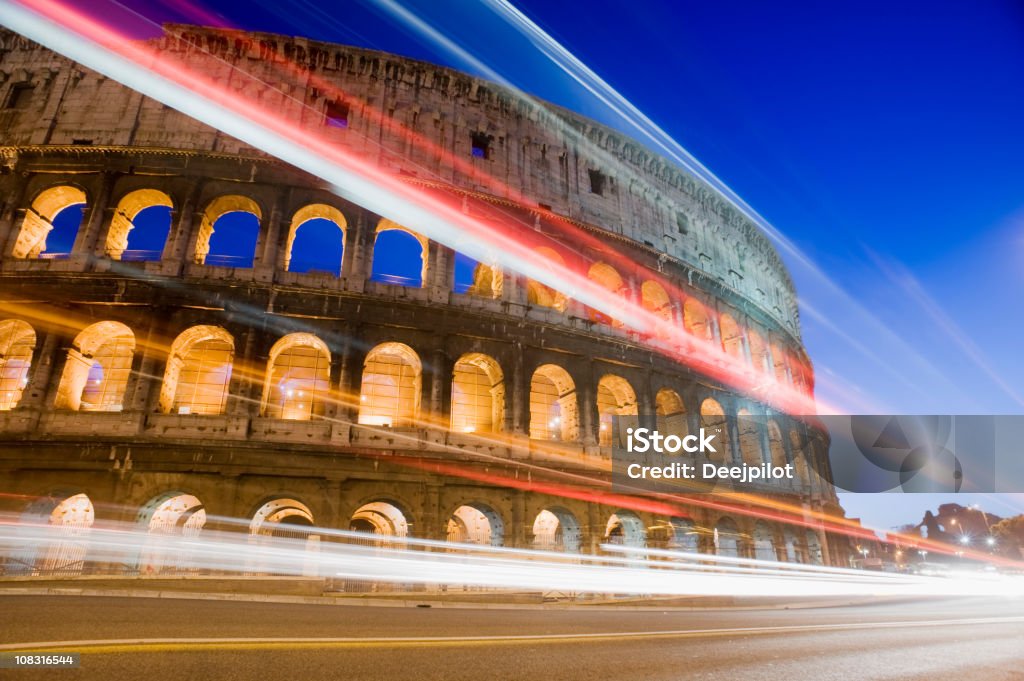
(69, 135)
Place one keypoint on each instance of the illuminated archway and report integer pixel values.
(316, 240)
(380, 518)
(712, 420)
(695, 319)
(123, 226)
(166, 517)
(732, 336)
(17, 344)
(749, 433)
(97, 368)
(478, 394)
(476, 524)
(608, 278)
(671, 413)
(781, 370)
(685, 536)
(68, 520)
(654, 299)
(777, 449)
(542, 295)
(814, 552)
(391, 383)
(554, 414)
(298, 378)
(400, 255)
(624, 528)
(42, 217)
(556, 529)
(764, 543)
(235, 245)
(198, 372)
(727, 538)
(758, 352)
(615, 397)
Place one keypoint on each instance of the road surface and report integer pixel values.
(143, 638)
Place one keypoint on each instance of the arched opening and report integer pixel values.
(17, 343)
(51, 224)
(727, 538)
(544, 296)
(732, 336)
(138, 231)
(556, 529)
(298, 378)
(654, 298)
(814, 553)
(287, 519)
(198, 372)
(68, 520)
(684, 536)
(750, 438)
(712, 420)
(476, 524)
(796, 448)
(624, 528)
(606, 276)
(476, 278)
(228, 232)
(478, 395)
(764, 544)
(380, 518)
(554, 414)
(390, 390)
(695, 319)
(792, 555)
(399, 256)
(776, 447)
(615, 397)
(316, 240)
(781, 370)
(97, 368)
(167, 517)
(671, 413)
(758, 352)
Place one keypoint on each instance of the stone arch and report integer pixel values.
(799, 453)
(815, 556)
(557, 529)
(655, 299)
(696, 321)
(790, 542)
(478, 394)
(476, 523)
(780, 368)
(198, 371)
(298, 378)
(390, 391)
(732, 336)
(284, 518)
(40, 216)
(728, 540)
(615, 397)
(314, 211)
(624, 528)
(381, 517)
(488, 281)
(17, 345)
(684, 536)
(759, 352)
(713, 421)
(171, 514)
(97, 368)
(542, 295)
(671, 413)
(764, 542)
(608, 278)
(69, 517)
(776, 447)
(554, 412)
(123, 222)
(750, 438)
(215, 210)
(407, 272)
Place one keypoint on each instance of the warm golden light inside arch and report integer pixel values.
(198, 371)
(608, 278)
(380, 517)
(391, 386)
(297, 382)
(542, 295)
(615, 397)
(17, 344)
(478, 395)
(97, 368)
(554, 412)
(713, 421)
(671, 413)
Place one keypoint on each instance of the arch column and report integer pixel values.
(586, 403)
(41, 386)
(268, 243)
(519, 388)
(350, 376)
(357, 259)
(9, 216)
(440, 272)
(180, 247)
(87, 242)
(442, 369)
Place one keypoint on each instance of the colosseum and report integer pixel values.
(193, 330)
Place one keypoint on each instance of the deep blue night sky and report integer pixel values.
(884, 139)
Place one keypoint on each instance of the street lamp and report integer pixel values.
(991, 541)
(965, 540)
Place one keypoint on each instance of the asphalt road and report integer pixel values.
(938, 639)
